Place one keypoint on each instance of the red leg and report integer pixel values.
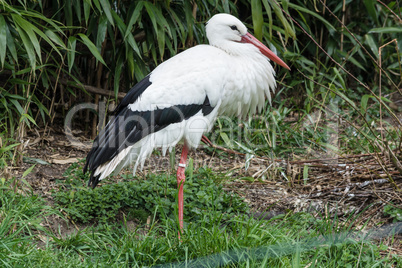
(180, 182)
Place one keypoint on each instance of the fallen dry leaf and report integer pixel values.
(64, 161)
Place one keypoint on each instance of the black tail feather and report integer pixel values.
(93, 180)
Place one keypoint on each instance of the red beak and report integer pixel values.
(248, 38)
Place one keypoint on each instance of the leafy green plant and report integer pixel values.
(138, 198)
(394, 212)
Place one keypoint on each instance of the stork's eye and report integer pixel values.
(233, 27)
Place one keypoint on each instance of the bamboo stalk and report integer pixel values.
(343, 22)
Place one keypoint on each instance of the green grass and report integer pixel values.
(292, 240)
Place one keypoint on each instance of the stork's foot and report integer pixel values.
(205, 140)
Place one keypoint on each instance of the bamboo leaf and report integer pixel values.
(3, 40)
(72, 41)
(256, 13)
(46, 38)
(18, 106)
(133, 44)
(68, 13)
(133, 19)
(43, 110)
(119, 22)
(54, 24)
(179, 28)
(189, 20)
(225, 4)
(31, 39)
(28, 47)
(371, 44)
(27, 116)
(169, 45)
(123, 29)
(107, 9)
(130, 63)
(285, 5)
(288, 29)
(162, 22)
(312, 13)
(370, 6)
(8, 148)
(92, 48)
(24, 71)
(340, 78)
(11, 45)
(269, 14)
(363, 103)
(55, 38)
(386, 30)
(87, 9)
(77, 7)
(151, 13)
(161, 42)
(140, 71)
(18, 97)
(384, 99)
(101, 34)
(96, 3)
(356, 63)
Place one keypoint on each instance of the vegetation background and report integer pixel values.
(54, 55)
(345, 58)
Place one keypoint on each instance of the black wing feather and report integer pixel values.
(133, 94)
(104, 135)
(128, 127)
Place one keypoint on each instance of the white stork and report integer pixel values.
(183, 96)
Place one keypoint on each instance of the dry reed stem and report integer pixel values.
(380, 92)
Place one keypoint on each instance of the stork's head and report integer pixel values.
(224, 30)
